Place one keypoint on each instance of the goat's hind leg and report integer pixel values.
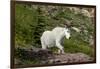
(61, 51)
(43, 45)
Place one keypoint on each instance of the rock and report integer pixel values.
(51, 61)
(47, 57)
(70, 58)
(17, 61)
(36, 53)
(57, 60)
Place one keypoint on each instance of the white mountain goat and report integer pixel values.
(54, 38)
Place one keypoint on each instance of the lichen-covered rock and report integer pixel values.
(71, 58)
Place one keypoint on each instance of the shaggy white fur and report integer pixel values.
(54, 38)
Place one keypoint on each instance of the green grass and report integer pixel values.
(75, 46)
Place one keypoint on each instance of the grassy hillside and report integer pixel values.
(32, 20)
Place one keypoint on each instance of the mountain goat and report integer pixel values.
(54, 38)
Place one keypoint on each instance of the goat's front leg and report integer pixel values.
(61, 49)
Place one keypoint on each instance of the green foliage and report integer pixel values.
(29, 25)
(23, 22)
(75, 46)
(32, 20)
(39, 27)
